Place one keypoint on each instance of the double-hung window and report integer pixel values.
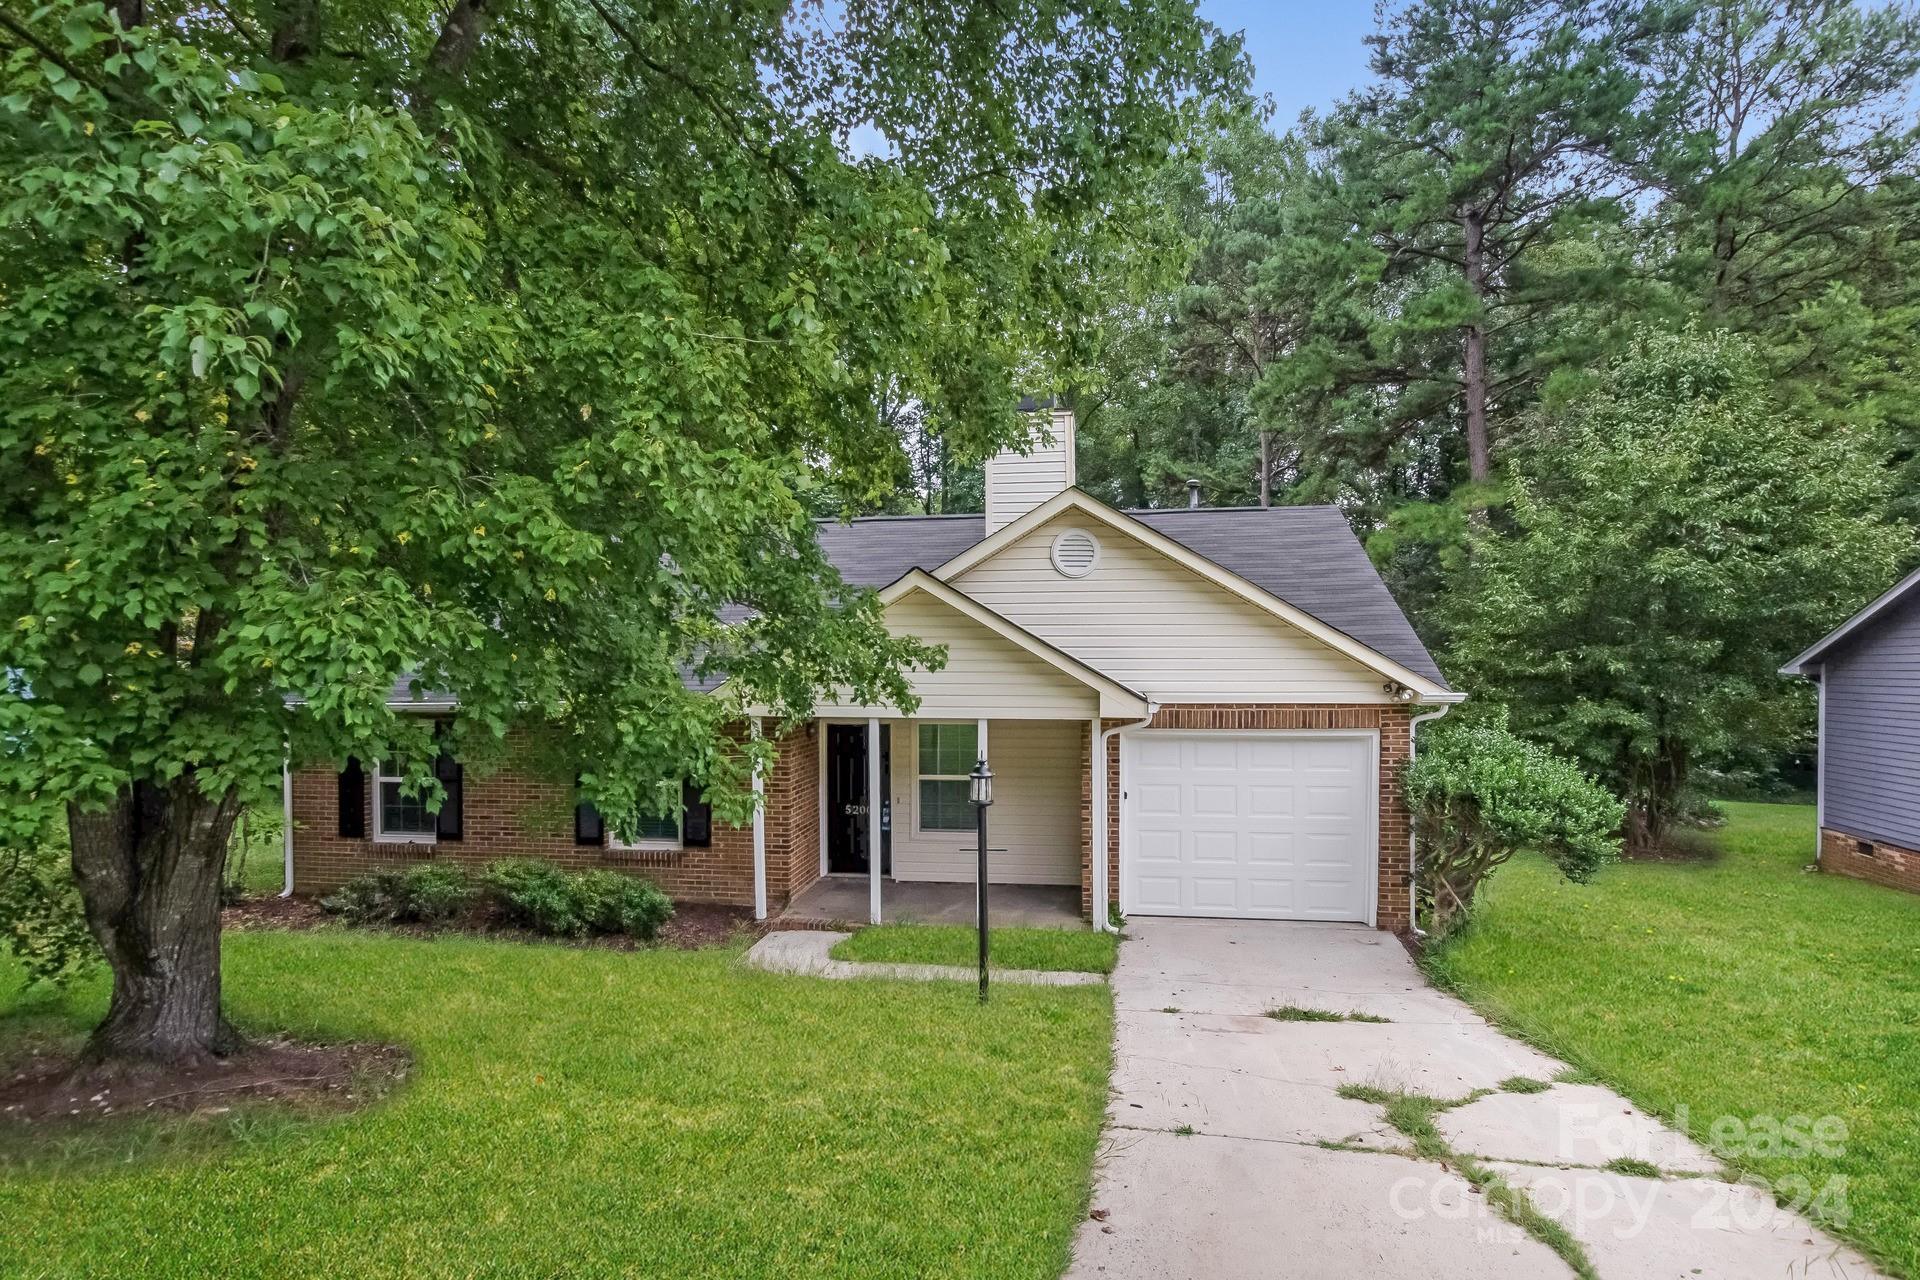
(397, 817)
(652, 833)
(947, 756)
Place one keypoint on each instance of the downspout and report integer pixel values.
(1413, 847)
(286, 822)
(1101, 889)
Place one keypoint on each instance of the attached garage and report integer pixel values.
(1259, 826)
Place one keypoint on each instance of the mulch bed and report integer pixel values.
(693, 925)
(43, 1088)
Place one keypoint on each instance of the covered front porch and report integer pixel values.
(844, 901)
(895, 814)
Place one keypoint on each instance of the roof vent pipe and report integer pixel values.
(1193, 495)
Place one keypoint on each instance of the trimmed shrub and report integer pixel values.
(429, 893)
(1479, 795)
(536, 895)
(372, 897)
(609, 902)
(435, 891)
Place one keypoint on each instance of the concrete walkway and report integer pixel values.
(804, 951)
(842, 900)
(1229, 1151)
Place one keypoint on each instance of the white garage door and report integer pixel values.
(1258, 826)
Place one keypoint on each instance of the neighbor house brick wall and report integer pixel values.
(1393, 725)
(1887, 864)
(507, 814)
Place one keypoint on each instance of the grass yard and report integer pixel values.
(1073, 949)
(1742, 987)
(589, 1113)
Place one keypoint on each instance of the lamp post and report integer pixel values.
(981, 792)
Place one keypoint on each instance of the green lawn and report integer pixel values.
(590, 1113)
(1743, 987)
(1080, 949)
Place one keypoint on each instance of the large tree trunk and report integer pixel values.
(149, 868)
(1479, 452)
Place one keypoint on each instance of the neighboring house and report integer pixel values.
(1226, 695)
(1868, 671)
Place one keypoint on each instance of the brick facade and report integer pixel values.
(1866, 859)
(510, 815)
(1391, 721)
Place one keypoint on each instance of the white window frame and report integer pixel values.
(380, 833)
(920, 775)
(653, 844)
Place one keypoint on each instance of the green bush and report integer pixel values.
(435, 891)
(370, 898)
(41, 919)
(1479, 794)
(536, 895)
(426, 894)
(609, 902)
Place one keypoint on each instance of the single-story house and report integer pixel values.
(1217, 701)
(1868, 764)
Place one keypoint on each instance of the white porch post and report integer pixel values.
(1097, 819)
(759, 837)
(286, 823)
(874, 801)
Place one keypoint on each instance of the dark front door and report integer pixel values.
(848, 810)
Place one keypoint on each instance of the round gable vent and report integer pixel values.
(1075, 553)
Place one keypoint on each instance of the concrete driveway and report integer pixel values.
(1231, 1152)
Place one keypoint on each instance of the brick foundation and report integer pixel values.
(1390, 721)
(1863, 858)
(512, 815)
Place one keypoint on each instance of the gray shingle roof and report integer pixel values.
(1307, 556)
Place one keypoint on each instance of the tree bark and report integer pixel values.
(1479, 453)
(459, 36)
(149, 868)
(1266, 468)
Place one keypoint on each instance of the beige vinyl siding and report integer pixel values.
(1017, 483)
(1035, 814)
(986, 673)
(1156, 626)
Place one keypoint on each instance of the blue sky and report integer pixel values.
(1304, 54)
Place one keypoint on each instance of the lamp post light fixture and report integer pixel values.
(980, 791)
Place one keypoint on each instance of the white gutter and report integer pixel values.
(1413, 847)
(1101, 889)
(286, 823)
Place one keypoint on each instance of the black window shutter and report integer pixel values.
(696, 825)
(588, 827)
(450, 823)
(353, 800)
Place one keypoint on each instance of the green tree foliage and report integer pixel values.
(1479, 794)
(1672, 539)
(497, 346)
(1781, 141)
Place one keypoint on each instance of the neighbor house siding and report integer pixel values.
(1034, 834)
(1871, 771)
(985, 673)
(1159, 627)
